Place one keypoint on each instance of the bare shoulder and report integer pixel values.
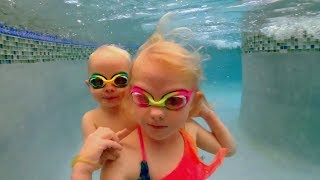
(127, 166)
(192, 127)
(88, 117)
(91, 114)
(88, 123)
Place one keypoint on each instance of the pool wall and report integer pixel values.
(22, 46)
(281, 93)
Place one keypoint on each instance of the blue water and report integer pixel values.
(44, 103)
(41, 104)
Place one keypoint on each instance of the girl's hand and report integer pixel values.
(97, 142)
(111, 153)
(202, 110)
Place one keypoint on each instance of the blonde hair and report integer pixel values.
(113, 50)
(174, 56)
(163, 46)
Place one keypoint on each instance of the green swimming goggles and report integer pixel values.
(119, 80)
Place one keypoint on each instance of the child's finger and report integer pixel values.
(109, 155)
(103, 132)
(107, 133)
(115, 138)
(115, 153)
(111, 144)
(112, 152)
(123, 133)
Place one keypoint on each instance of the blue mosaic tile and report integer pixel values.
(21, 50)
(260, 43)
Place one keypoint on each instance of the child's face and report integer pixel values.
(158, 79)
(108, 65)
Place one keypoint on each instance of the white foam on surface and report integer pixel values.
(284, 27)
(223, 44)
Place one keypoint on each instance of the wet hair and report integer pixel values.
(171, 54)
(172, 46)
(110, 51)
(170, 49)
(113, 50)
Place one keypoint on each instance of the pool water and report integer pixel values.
(41, 104)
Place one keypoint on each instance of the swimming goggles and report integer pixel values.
(119, 80)
(173, 100)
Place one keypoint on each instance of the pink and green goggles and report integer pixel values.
(119, 80)
(173, 100)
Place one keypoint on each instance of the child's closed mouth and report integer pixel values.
(110, 97)
(157, 126)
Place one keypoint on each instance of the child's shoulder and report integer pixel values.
(90, 116)
(90, 113)
(98, 113)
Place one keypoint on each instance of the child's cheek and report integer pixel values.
(140, 114)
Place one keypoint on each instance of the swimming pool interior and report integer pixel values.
(262, 78)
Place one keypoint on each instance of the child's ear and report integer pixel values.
(196, 104)
(87, 83)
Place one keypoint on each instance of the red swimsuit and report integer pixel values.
(190, 166)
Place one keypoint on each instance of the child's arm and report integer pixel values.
(88, 159)
(88, 126)
(219, 135)
(128, 164)
(81, 171)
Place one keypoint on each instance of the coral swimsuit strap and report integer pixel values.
(216, 162)
(190, 162)
(144, 169)
(143, 152)
(191, 166)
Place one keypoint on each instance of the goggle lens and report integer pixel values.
(140, 99)
(96, 82)
(176, 102)
(120, 80)
(173, 100)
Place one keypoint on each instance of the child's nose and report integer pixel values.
(109, 87)
(157, 113)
